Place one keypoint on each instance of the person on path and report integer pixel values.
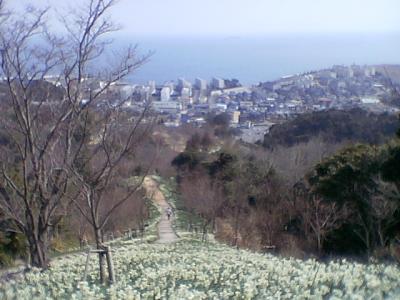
(169, 212)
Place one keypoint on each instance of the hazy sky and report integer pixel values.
(244, 17)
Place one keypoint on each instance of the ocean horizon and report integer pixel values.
(256, 59)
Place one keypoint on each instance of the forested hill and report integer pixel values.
(334, 126)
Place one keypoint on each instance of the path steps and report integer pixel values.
(166, 233)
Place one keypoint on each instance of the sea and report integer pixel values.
(257, 58)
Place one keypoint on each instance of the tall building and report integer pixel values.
(369, 71)
(200, 84)
(186, 93)
(182, 83)
(217, 83)
(169, 84)
(152, 86)
(166, 93)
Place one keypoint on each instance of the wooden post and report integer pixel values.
(86, 265)
(110, 265)
(141, 231)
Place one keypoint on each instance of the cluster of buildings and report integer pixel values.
(340, 87)
(253, 109)
(188, 102)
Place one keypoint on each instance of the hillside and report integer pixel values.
(192, 270)
(333, 126)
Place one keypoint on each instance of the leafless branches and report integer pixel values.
(202, 197)
(46, 125)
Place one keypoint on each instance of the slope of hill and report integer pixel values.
(334, 126)
(192, 270)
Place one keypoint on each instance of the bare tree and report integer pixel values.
(108, 145)
(271, 214)
(129, 217)
(79, 224)
(384, 207)
(203, 197)
(238, 206)
(321, 217)
(295, 161)
(41, 122)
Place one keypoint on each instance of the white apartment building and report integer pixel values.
(166, 93)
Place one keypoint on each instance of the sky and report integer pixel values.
(247, 17)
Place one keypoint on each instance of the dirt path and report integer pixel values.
(165, 232)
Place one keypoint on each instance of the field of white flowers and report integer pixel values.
(190, 270)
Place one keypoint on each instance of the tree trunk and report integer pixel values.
(381, 235)
(99, 245)
(38, 239)
(213, 226)
(204, 235)
(236, 233)
(38, 249)
(319, 244)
